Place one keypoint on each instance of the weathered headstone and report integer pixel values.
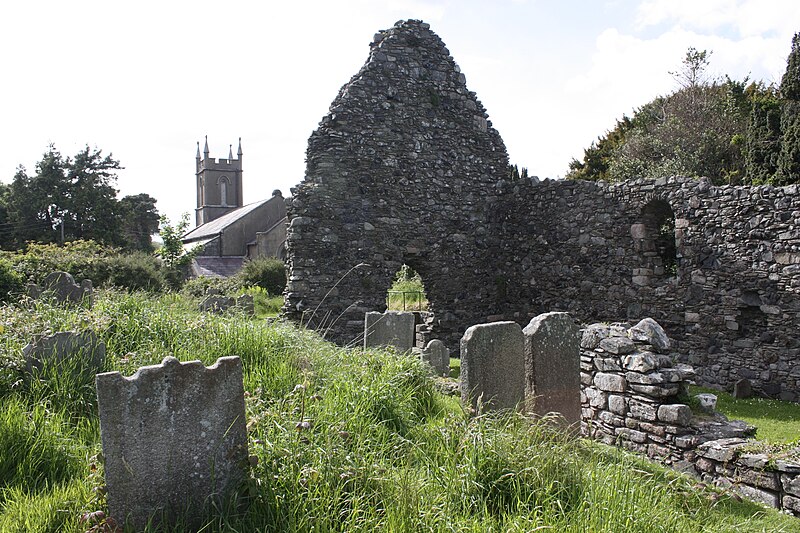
(391, 328)
(437, 355)
(246, 304)
(742, 389)
(67, 350)
(61, 287)
(174, 438)
(552, 367)
(492, 366)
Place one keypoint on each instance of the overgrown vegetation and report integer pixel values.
(732, 131)
(378, 447)
(407, 291)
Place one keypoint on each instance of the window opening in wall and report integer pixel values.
(223, 191)
(407, 292)
(659, 244)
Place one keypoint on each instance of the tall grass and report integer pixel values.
(345, 440)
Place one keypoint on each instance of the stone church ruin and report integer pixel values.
(406, 168)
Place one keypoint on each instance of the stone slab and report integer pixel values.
(67, 350)
(552, 367)
(392, 328)
(174, 438)
(492, 366)
(437, 355)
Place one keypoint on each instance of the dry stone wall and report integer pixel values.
(402, 170)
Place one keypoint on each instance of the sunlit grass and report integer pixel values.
(346, 440)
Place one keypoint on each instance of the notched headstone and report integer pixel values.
(67, 351)
(174, 438)
(61, 287)
(552, 367)
(492, 366)
(392, 328)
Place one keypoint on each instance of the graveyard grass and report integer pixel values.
(381, 450)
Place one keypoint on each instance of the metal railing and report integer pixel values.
(418, 300)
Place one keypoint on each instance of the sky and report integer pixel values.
(146, 80)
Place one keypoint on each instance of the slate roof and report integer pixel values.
(213, 228)
(216, 267)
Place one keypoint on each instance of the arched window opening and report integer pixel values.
(407, 292)
(655, 240)
(223, 191)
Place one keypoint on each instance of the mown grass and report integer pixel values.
(777, 422)
(346, 440)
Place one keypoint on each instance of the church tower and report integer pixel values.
(219, 184)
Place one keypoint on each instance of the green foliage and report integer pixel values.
(407, 291)
(763, 134)
(202, 286)
(11, 281)
(135, 271)
(734, 132)
(175, 258)
(75, 198)
(82, 259)
(265, 272)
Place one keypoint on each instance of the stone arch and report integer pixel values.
(655, 242)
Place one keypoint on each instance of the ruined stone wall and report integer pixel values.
(406, 168)
(731, 300)
(402, 170)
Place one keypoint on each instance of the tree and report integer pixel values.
(789, 157)
(91, 202)
(75, 198)
(140, 221)
(763, 139)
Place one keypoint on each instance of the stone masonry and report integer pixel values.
(402, 170)
(406, 168)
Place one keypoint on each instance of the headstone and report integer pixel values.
(174, 438)
(217, 304)
(437, 355)
(246, 304)
(67, 350)
(492, 366)
(742, 389)
(61, 286)
(552, 367)
(391, 328)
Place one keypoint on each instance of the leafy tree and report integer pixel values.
(789, 157)
(91, 202)
(71, 199)
(597, 158)
(171, 252)
(140, 221)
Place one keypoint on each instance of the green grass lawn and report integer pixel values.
(777, 422)
(382, 451)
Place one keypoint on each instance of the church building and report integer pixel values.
(227, 231)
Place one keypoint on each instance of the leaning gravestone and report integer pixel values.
(492, 366)
(174, 438)
(66, 350)
(392, 328)
(61, 287)
(552, 367)
(437, 355)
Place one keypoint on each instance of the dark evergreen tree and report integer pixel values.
(140, 221)
(763, 140)
(789, 157)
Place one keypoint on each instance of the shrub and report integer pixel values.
(265, 272)
(135, 271)
(10, 280)
(82, 259)
(201, 286)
